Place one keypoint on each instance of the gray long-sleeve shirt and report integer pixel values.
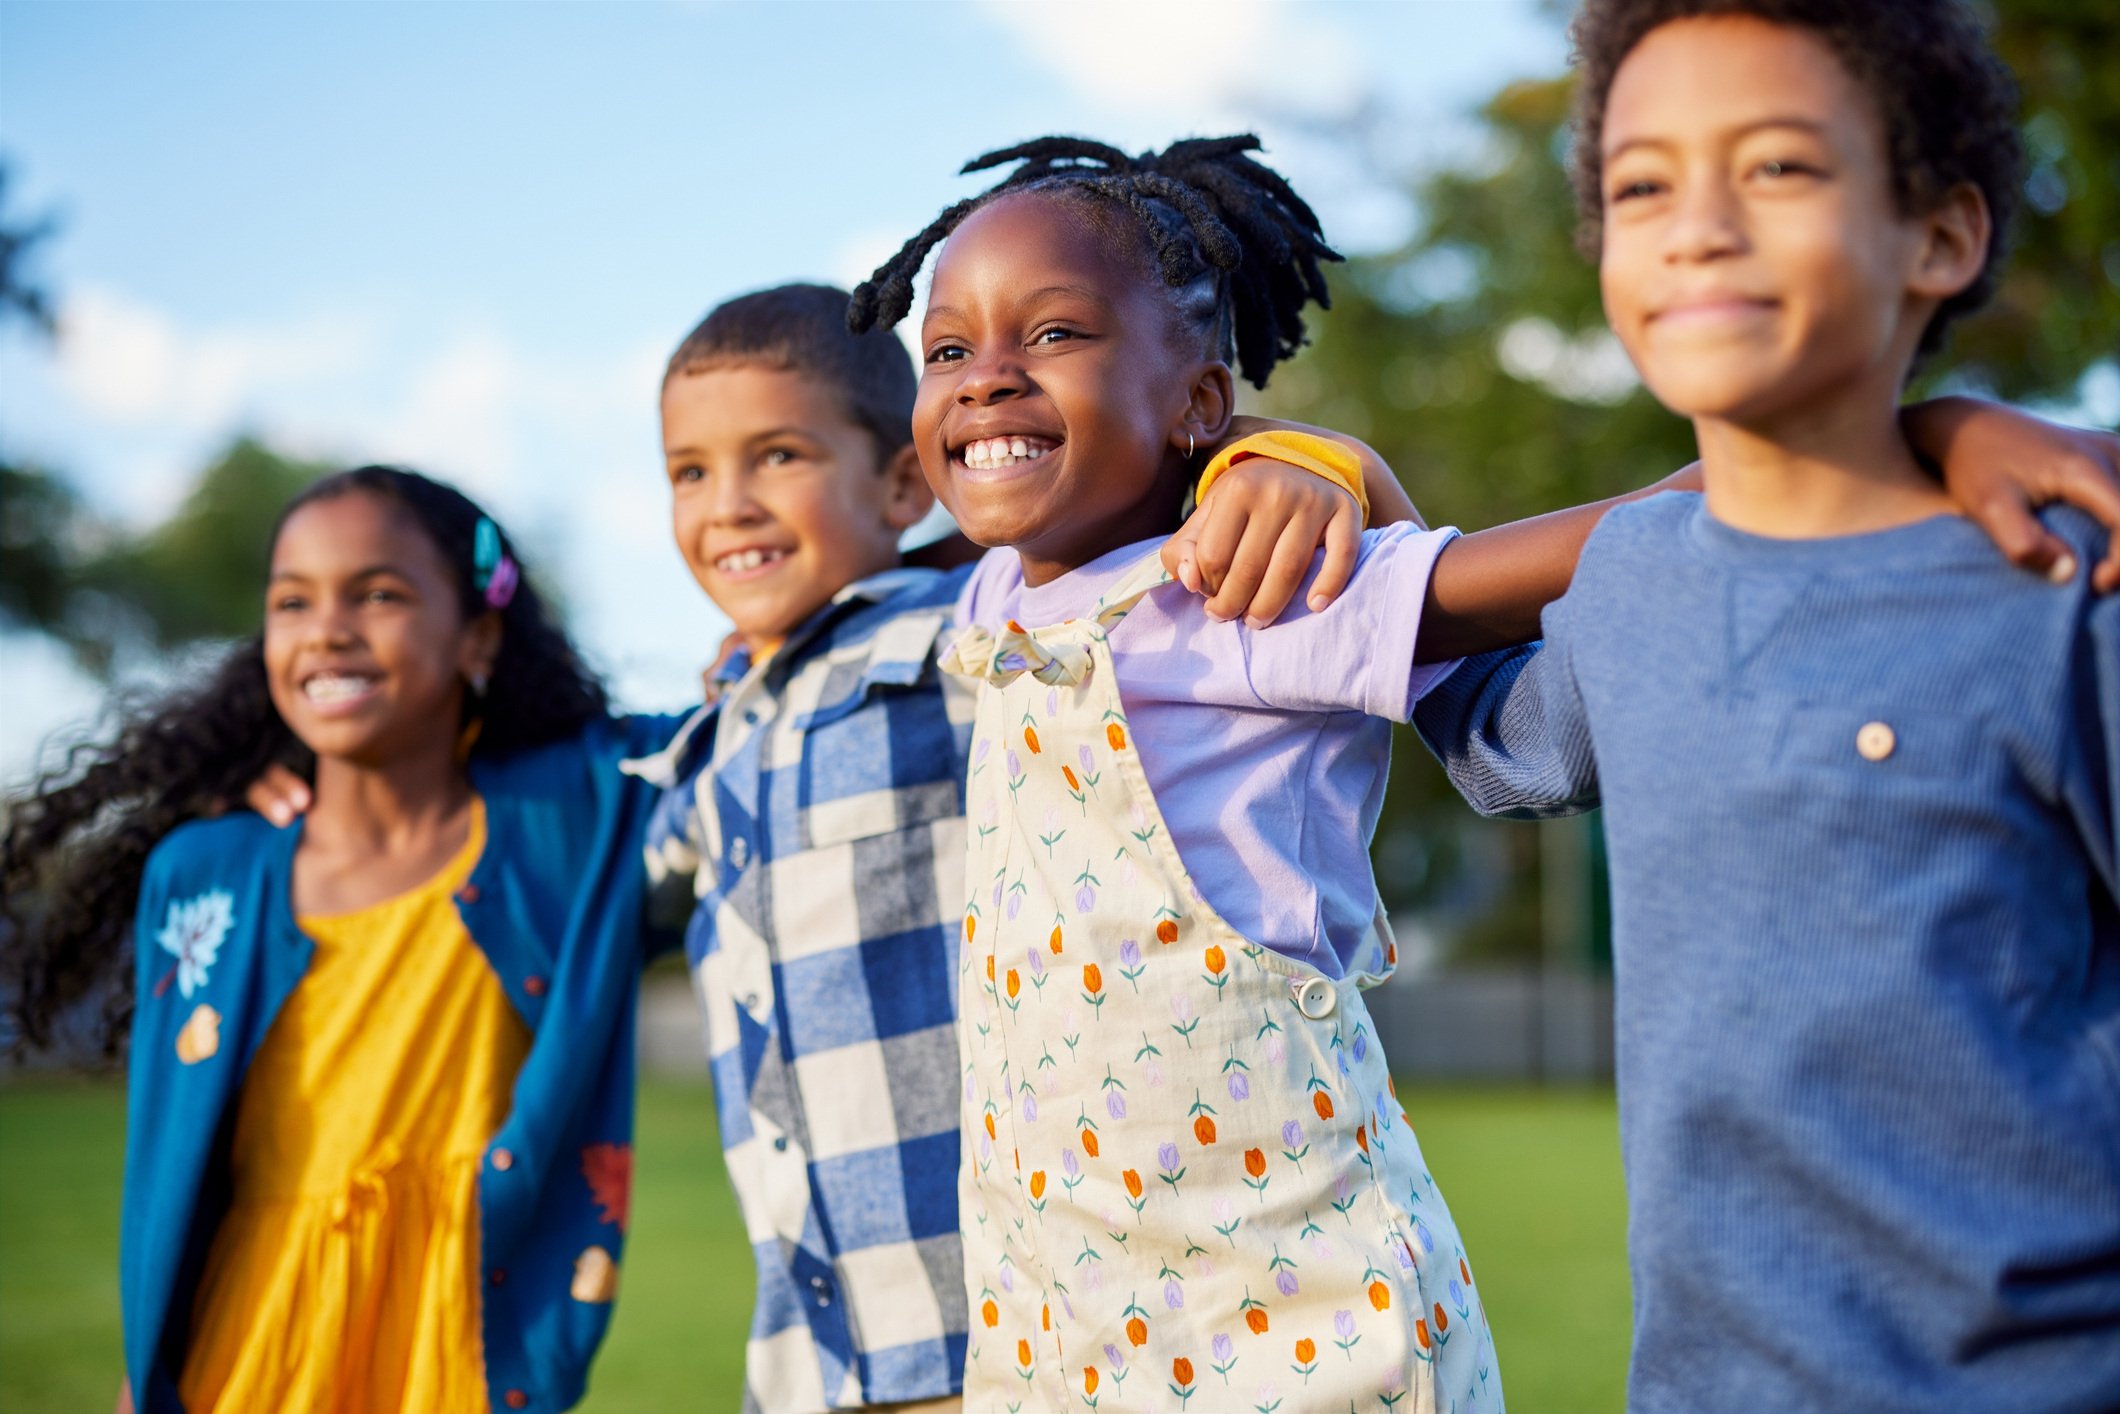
(1860, 801)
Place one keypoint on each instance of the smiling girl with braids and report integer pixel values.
(382, 1061)
(1184, 1166)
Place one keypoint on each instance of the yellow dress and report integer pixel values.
(345, 1276)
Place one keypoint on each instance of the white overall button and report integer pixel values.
(1316, 999)
(1875, 741)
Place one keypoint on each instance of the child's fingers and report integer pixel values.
(1343, 544)
(278, 794)
(1248, 563)
(1290, 562)
(1221, 540)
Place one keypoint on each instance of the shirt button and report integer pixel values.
(750, 717)
(822, 1289)
(1876, 741)
(739, 852)
(1316, 999)
(750, 1001)
(535, 986)
(516, 1399)
(467, 894)
(503, 1160)
(780, 1143)
(497, 1275)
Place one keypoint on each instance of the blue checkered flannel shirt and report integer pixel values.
(812, 823)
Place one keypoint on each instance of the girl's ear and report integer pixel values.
(907, 496)
(1954, 244)
(481, 647)
(1208, 410)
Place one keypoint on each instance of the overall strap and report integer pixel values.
(1146, 574)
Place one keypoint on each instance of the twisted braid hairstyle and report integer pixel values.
(74, 850)
(1239, 251)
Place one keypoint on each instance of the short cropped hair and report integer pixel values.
(1948, 105)
(803, 329)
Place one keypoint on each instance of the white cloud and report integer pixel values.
(1192, 60)
(131, 363)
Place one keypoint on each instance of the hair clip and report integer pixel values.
(493, 569)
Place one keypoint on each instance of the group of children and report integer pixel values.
(1028, 899)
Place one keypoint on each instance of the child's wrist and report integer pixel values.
(1320, 456)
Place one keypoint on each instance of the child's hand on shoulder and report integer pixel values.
(2000, 464)
(1251, 542)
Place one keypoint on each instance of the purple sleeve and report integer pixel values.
(1356, 655)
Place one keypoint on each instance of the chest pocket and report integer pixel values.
(880, 752)
(1884, 743)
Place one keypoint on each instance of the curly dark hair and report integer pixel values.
(1948, 104)
(75, 848)
(1238, 249)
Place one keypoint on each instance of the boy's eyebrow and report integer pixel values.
(364, 572)
(1809, 125)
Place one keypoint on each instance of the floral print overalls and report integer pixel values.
(1186, 1183)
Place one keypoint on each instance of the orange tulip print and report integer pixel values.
(1420, 1333)
(1015, 983)
(1216, 959)
(1089, 1379)
(1092, 979)
(1306, 1350)
(1023, 1353)
(1204, 1130)
(1380, 1296)
(1089, 1145)
(1116, 735)
(1256, 1319)
(1319, 1101)
(1255, 1162)
(1181, 1370)
(1072, 783)
(1045, 1318)
(989, 967)
(1137, 1330)
(990, 1313)
(1133, 1181)
(1037, 1183)
(1442, 1322)
(990, 1128)
(1030, 739)
(971, 926)
(1054, 941)
(1464, 1271)
(1361, 1137)
(1167, 931)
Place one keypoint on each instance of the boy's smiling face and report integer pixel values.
(776, 495)
(1040, 335)
(1755, 258)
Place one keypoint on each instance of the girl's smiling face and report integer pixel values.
(367, 649)
(1057, 394)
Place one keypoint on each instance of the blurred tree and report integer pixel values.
(1476, 359)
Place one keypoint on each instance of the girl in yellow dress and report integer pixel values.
(381, 1059)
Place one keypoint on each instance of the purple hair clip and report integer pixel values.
(493, 568)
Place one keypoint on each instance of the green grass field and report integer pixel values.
(1532, 1175)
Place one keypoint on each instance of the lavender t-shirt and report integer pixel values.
(1267, 749)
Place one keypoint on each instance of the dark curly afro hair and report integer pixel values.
(1949, 106)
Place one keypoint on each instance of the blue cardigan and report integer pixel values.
(555, 903)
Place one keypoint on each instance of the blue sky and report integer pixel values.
(464, 236)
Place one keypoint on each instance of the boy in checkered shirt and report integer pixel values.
(812, 824)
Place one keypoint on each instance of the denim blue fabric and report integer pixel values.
(557, 905)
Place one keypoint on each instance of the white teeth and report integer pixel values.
(336, 687)
(994, 453)
(742, 560)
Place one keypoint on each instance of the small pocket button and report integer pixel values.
(1316, 999)
(1876, 741)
